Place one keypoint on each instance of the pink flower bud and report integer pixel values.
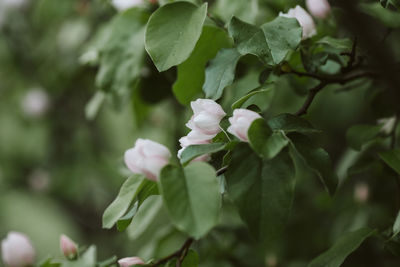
(17, 250)
(206, 118)
(68, 247)
(121, 5)
(147, 157)
(126, 262)
(304, 19)
(318, 8)
(241, 121)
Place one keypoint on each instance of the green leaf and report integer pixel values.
(343, 247)
(264, 93)
(283, 35)
(317, 159)
(194, 151)
(122, 51)
(249, 39)
(221, 72)
(172, 33)
(265, 143)
(245, 10)
(387, 17)
(146, 189)
(94, 105)
(358, 135)
(88, 259)
(392, 159)
(396, 225)
(191, 73)
(121, 203)
(291, 123)
(191, 259)
(125, 220)
(191, 196)
(144, 216)
(262, 190)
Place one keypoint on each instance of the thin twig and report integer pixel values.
(324, 82)
(222, 170)
(180, 254)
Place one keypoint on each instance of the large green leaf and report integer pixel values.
(290, 123)
(283, 35)
(335, 256)
(317, 159)
(194, 151)
(264, 141)
(249, 39)
(144, 216)
(262, 190)
(121, 203)
(392, 159)
(121, 50)
(191, 196)
(361, 134)
(191, 73)
(221, 72)
(172, 33)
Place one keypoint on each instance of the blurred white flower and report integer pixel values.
(17, 250)
(35, 103)
(7, 5)
(304, 19)
(121, 5)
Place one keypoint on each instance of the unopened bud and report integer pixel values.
(68, 247)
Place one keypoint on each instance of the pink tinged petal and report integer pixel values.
(241, 121)
(68, 247)
(153, 167)
(180, 152)
(206, 123)
(133, 160)
(207, 105)
(197, 137)
(304, 19)
(126, 262)
(318, 8)
(151, 148)
(17, 250)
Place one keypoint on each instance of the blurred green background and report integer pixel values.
(61, 161)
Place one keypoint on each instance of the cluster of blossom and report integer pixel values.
(318, 8)
(204, 125)
(148, 157)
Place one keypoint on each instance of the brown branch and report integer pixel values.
(324, 82)
(180, 254)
